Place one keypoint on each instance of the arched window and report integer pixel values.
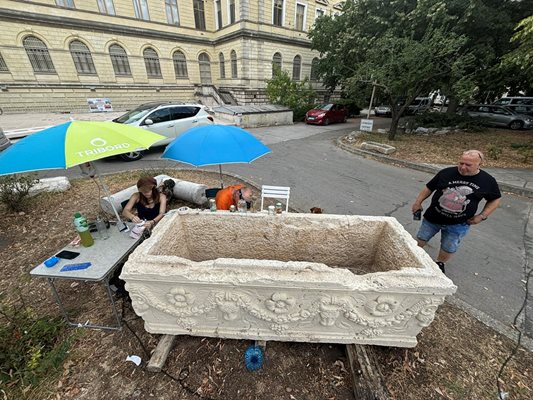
(205, 68)
(314, 69)
(151, 61)
(81, 55)
(119, 59)
(296, 68)
(276, 62)
(233, 57)
(180, 64)
(222, 65)
(38, 54)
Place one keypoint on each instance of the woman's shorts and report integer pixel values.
(451, 235)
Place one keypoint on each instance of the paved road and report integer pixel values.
(488, 268)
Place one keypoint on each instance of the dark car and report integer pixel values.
(498, 116)
(326, 114)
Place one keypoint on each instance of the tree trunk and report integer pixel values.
(394, 124)
(452, 105)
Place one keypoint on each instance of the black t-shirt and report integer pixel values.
(457, 197)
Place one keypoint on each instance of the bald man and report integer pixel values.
(457, 192)
(231, 196)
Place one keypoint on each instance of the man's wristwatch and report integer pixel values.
(483, 217)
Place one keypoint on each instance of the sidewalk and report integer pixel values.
(517, 181)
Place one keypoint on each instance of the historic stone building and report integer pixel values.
(54, 54)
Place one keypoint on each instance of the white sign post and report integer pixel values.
(366, 125)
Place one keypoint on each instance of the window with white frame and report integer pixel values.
(277, 12)
(199, 14)
(119, 60)
(180, 64)
(205, 68)
(141, 9)
(301, 11)
(81, 55)
(65, 3)
(231, 11)
(151, 62)
(38, 55)
(296, 68)
(171, 6)
(218, 13)
(319, 13)
(276, 63)
(222, 65)
(233, 57)
(106, 7)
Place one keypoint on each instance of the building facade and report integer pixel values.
(55, 54)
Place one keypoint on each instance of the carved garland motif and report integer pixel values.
(281, 309)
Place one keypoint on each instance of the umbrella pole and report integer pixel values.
(120, 224)
(220, 171)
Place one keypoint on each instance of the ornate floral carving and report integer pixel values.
(180, 298)
(280, 303)
(382, 306)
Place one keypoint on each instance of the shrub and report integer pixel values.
(441, 120)
(14, 190)
(30, 348)
(298, 96)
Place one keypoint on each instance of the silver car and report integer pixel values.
(167, 119)
(498, 116)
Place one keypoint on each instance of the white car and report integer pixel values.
(4, 142)
(167, 119)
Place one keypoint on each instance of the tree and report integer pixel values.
(522, 56)
(408, 47)
(298, 96)
(395, 45)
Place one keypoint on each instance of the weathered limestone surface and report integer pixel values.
(289, 277)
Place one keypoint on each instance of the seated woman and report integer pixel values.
(149, 203)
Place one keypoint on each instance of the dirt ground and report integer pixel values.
(457, 357)
(503, 148)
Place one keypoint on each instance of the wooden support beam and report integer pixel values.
(159, 356)
(367, 378)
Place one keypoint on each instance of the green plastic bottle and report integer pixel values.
(80, 222)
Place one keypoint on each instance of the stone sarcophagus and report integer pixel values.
(288, 277)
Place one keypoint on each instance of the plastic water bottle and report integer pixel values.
(101, 228)
(80, 222)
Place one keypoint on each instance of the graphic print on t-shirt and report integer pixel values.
(454, 199)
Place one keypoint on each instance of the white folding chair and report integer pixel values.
(276, 192)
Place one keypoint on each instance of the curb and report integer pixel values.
(425, 168)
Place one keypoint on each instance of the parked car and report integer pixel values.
(498, 116)
(383, 109)
(505, 101)
(164, 118)
(419, 105)
(326, 114)
(4, 142)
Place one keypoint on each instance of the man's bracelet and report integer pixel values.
(483, 217)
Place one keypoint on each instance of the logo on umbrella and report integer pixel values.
(100, 147)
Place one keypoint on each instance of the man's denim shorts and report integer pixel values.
(451, 235)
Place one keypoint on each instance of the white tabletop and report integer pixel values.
(103, 255)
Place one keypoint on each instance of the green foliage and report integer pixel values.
(522, 55)
(442, 120)
(31, 348)
(14, 190)
(494, 151)
(298, 96)
(525, 150)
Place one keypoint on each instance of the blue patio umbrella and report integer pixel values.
(215, 144)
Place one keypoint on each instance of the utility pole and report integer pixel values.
(371, 98)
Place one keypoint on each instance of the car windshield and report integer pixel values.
(326, 107)
(134, 115)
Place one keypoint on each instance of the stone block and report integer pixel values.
(379, 147)
(289, 277)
